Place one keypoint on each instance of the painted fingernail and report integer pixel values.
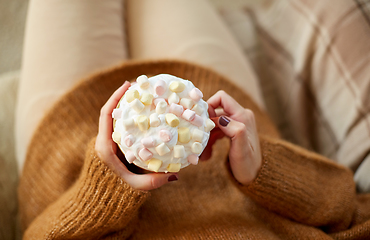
(223, 121)
(172, 178)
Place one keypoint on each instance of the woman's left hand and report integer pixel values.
(237, 123)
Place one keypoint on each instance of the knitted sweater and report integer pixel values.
(67, 192)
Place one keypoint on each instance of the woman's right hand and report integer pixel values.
(106, 149)
(237, 123)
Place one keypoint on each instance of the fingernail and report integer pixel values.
(223, 121)
(172, 178)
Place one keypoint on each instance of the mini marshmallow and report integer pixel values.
(148, 142)
(174, 167)
(173, 98)
(157, 100)
(209, 125)
(154, 164)
(177, 86)
(193, 159)
(160, 87)
(130, 156)
(197, 121)
(128, 123)
(187, 103)
(143, 81)
(161, 107)
(131, 95)
(188, 115)
(129, 140)
(117, 113)
(145, 154)
(165, 135)
(116, 136)
(197, 135)
(178, 151)
(196, 148)
(162, 149)
(183, 135)
(197, 109)
(137, 105)
(146, 98)
(172, 120)
(195, 94)
(154, 120)
(176, 109)
(142, 122)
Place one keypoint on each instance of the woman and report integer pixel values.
(76, 186)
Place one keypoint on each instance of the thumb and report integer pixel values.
(149, 181)
(244, 152)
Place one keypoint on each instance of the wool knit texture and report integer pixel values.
(67, 192)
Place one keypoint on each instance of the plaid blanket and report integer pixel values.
(312, 59)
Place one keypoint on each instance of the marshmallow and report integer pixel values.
(131, 95)
(196, 148)
(195, 94)
(197, 135)
(174, 167)
(162, 149)
(165, 135)
(146, 98)
(145, 154)
(160, 87)
(154, 120)
(161, 107)
(172, 120)
(148, 142)
(142, 122)
(154, 164)
(188, 115)
(161, 123)
(129, 140)
(197, 109)
(193, 159)
(178, 151)
(117, 113)
(143, 81)
(173, 98)
(116, 136)
(183, 135)
(177, 86)
(128, 123)
(176, 109)
(209, 125)
(197, 121)
(187, 103)
(130, 156)
(157, 100)
(137, 105)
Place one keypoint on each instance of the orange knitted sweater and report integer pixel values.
(67, 192)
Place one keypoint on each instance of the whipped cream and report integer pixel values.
(161, 123)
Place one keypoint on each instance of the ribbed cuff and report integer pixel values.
(302, 185)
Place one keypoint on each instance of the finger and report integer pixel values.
(105, 120)
(225, 101)
(138, 181)
(245, 156)
(149, 181)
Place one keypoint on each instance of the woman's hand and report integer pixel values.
(239, 125)
(106, 149)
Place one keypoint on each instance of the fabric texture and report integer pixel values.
(66, 192)
(312, 58)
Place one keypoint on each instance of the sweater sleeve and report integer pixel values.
(98, 204)
(303, 186)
